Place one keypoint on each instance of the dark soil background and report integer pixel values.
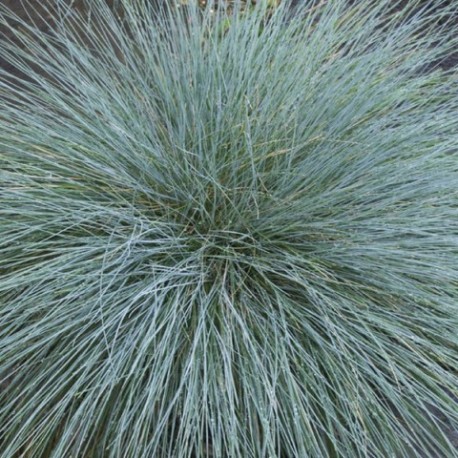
(38, 16)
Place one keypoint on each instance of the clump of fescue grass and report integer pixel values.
(229, 242)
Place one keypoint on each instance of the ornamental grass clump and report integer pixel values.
(229, 232)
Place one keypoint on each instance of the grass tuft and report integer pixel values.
(229, 232)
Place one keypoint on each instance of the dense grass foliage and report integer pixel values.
(229, 236)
